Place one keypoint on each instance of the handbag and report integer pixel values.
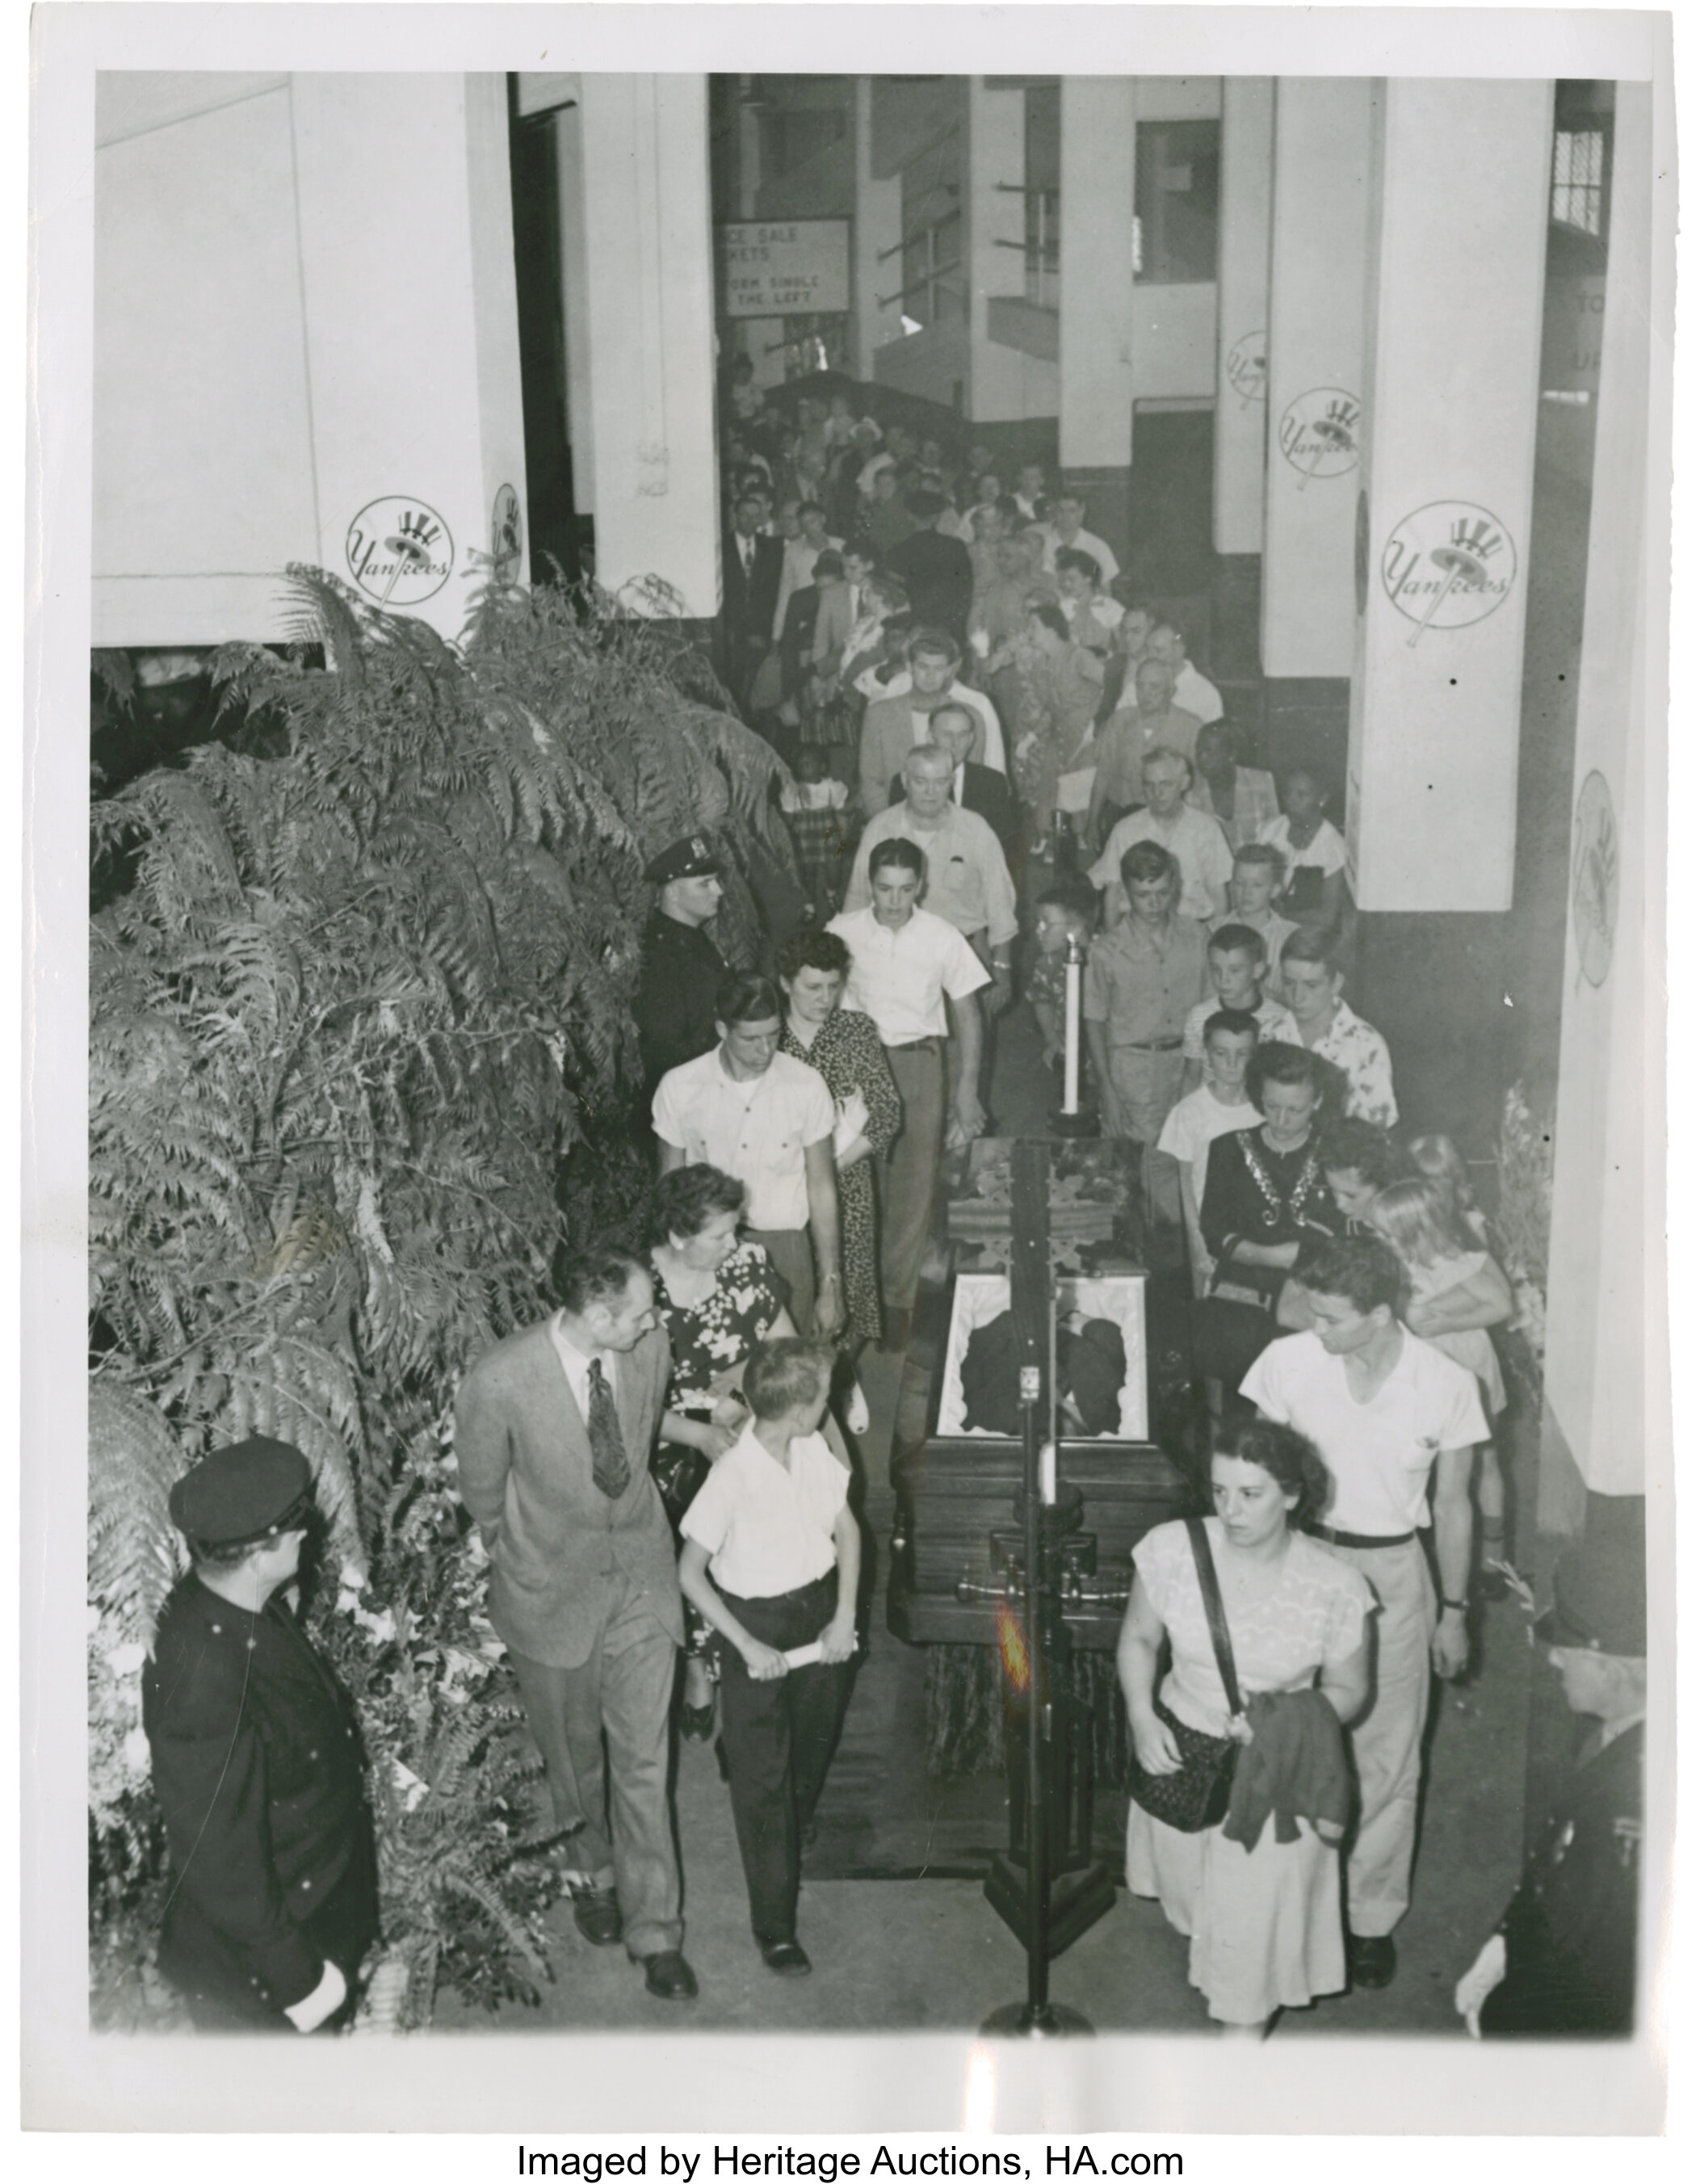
(1197, 1795)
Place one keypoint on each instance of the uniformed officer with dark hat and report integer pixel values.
(257, 1764)
(1563, 1960)
(682, 968)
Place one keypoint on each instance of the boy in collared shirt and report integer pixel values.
(771, 1558)
(1237, 969)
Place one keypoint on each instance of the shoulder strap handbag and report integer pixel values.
(1198, 1795)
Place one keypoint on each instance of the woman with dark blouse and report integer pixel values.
(1265, 1190)
(844, 1046)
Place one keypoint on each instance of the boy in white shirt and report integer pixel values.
(771, 1557)
(1238, 967)
(1219, 1106)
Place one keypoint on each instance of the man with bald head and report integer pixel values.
(968, 882)
(1192, 837)
(1153, 722)
(975, 787)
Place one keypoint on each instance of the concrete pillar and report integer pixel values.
(878, 227)
(278, 378)
(1095, 388)
(995, 219)
(1248, 104)
(1604, 1343)
(1317, 268)
(1455, 312)
(638, 274)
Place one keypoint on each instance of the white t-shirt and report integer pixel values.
(767, 1528)
(1274, 1021)
(1380, 1452)
(1325, 848)
(900, 979)
(755, 1128)
(1192, 1126)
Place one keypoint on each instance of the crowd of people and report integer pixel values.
(1000, 762)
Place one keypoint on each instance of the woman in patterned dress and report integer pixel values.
(1265, 1922)
(1063, 682)
(846, 1048)
(718, 1298)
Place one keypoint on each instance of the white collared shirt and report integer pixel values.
(756, 1128)
(901, 979)
(768, 1527)
(576, 1364)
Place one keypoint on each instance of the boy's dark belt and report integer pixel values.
(1147, 1045)
(923, 1045)
(1339, 1539)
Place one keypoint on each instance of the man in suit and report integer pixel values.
(257, 1764)
(552, 1436)
(893, 726)
(936, 568)
(752, 567)
(978, 788)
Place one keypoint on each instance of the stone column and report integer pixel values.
(1318, 253)
(878, 226)
(1604, 1341)
(1242, 353)
(1455, 315)
(638, 274)
(1096, 399)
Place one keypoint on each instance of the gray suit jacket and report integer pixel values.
(557, 1543)
(887, 736)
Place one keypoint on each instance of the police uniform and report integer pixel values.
(681, 971)
(258, 1769)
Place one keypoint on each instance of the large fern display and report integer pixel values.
(368, 990)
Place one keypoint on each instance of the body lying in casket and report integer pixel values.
(959, 1488)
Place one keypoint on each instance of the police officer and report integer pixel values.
(257, 1764)
(682, 968)
(1563, 1959)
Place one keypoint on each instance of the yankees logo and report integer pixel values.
(1447, 565)
(400, 551)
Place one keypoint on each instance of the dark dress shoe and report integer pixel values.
(596, 1913)
(697, 1723)
(668, 1975)
(785, 1957)
(1372, 1958)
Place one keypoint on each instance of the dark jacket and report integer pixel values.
(258, 1769)
(984, 790)
(938, 573)
(749, 603)
(1294, 1767)
(1570, 1928)
(681, 970)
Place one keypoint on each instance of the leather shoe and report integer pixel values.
(596, 1913)
(668, 1975)
(697, 1723)
(785, 1957)
(1373, 1959)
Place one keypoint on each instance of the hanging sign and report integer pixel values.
(1447, 565)
(400, 551)
(772, 268)
(1318, 433)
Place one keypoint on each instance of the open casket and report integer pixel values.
(957, 1490)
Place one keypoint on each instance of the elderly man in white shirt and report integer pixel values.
(767, 1119)
(1194, 693)
(917, 976)
(1192, 837)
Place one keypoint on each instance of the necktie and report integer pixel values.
(608, 1464)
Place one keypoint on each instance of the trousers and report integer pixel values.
(615, 1806)
(908, 1176)
(1387, 1743)
(1147, 1085)
(793, 1254)
(778, 1738)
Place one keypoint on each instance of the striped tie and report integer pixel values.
(608, 1464)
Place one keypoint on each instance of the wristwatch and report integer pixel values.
(1461, 1606)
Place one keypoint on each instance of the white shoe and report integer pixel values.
(855, 1409)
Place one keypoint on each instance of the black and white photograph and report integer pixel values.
(845, 1102)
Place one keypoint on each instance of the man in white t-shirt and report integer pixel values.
(917, 976)
(1385, 1410)
(1193, 692)
(767, 1119)
(1064, 528)
(1227, 1042)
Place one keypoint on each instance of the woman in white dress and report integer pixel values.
(1266, 1924)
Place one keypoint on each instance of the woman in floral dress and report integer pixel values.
(844, 1046)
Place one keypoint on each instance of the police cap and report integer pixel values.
(1599, 1589)
(687, 858)
(239, 1495)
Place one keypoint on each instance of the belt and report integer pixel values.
(922, 1046)
(1339, 1539)
(1148, 1045)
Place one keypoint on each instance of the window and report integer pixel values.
(1578, 179)
(1176, 172)
(934, 279)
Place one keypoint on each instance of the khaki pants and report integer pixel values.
(623, 1692)
(792, 1255)
(1146, 1085)
(1387, 1743)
